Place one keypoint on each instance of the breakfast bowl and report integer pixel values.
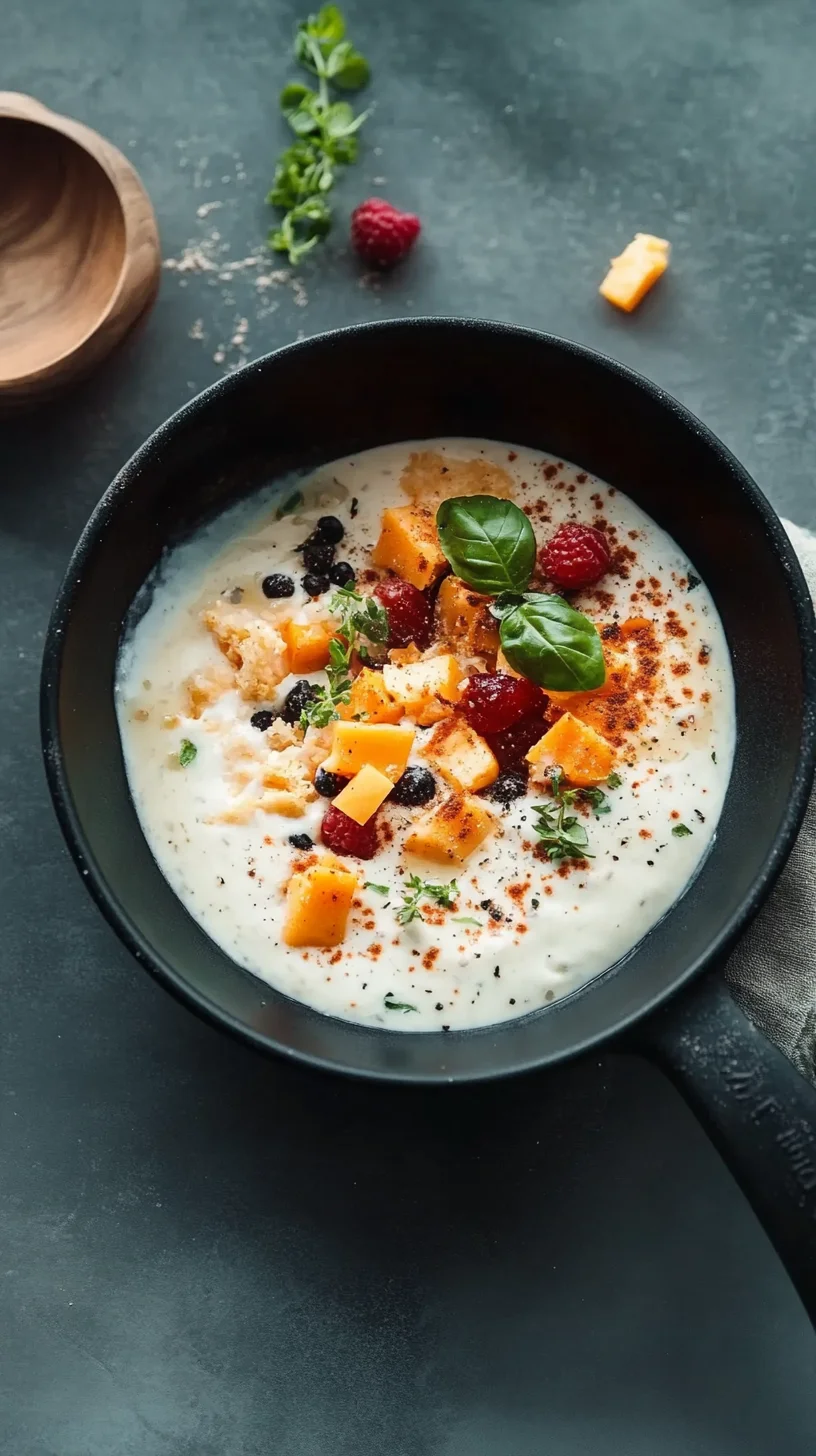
(430, 380)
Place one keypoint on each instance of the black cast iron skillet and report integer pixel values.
(345, 392)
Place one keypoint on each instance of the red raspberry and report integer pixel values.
(576, 556)
(493, 701)
(512, 744)
(346, 836)
(410, 614)
(381, 234)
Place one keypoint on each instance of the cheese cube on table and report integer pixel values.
(635, 271)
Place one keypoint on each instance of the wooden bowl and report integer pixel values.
(79, 248)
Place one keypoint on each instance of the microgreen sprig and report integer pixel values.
(417, 889)
(562, 834)
(360, 617)
(326, 132)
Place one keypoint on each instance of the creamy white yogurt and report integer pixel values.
(557, 929)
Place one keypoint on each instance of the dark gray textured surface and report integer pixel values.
(203, 1253)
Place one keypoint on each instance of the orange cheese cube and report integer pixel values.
(583, 755)
(427, 690)
(635, 271)
(370, 700)
(463, 616)
(461, 756)
(449, 833)
(318, 901)
(385, 746)
(409, 545)
(308, 644)
(363, 794)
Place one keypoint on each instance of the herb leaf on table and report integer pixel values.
(326, 130)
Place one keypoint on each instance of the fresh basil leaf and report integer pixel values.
(187, 752)
(488, 541)
(553, 645)
(681, 831)
(504, 603)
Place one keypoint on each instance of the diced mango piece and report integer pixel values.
(308, 645)
(318, 901)
(583, 755)
(463, 616)
(370, 700)
(635, 271)
(502, 665)
(363, 794)
(403, 655)
(449, 833)
(409, 545)
(384, 746)
(427, 690)
(461, 756)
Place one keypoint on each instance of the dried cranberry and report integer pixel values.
(578, 555)
(410, 614)
(493, 701)
(346, 836)
(512, 744)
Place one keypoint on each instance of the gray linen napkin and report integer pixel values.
(772, 972)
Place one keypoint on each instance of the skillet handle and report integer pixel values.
(758, 1111)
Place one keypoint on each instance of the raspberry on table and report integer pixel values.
(410, 614)
(512, 744)
(343, 835)
(494, 701)
(381, 234)
(578, 555)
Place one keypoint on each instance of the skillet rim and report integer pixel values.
(128, 931)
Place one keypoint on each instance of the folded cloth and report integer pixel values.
(772, 972)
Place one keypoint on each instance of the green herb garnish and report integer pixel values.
(466, 920)
(563, 835)
(544, 638)
(187, 752)
(416, 890)
(379, 889)
(614, 781)
(326, 132)
(488, 541)
(290, 505)
(360, 617)
(681, 831)
(391, 1005)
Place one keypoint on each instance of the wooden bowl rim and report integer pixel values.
(17, 106)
